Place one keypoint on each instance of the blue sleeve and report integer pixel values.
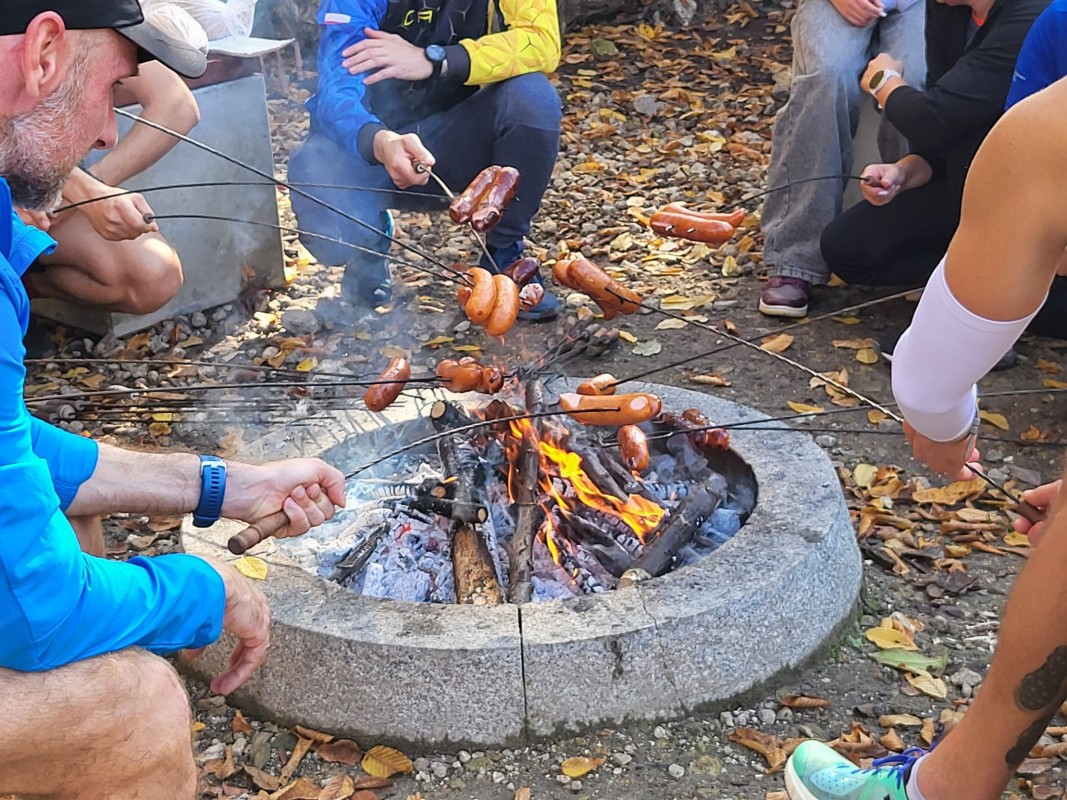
(71, 459)
(58, 605)
(1041, 61)
(340, 108)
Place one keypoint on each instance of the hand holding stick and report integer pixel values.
(255, 533)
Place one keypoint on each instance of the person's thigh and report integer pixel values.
(825, 43)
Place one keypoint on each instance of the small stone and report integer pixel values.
(676, 770)
(462, 327)
(727, 719)
(300, 321)
(564, 779)
(422, 764)
(706, 765)
(825, 440)
(498, 777)
(965, 678)
(646, 105)
(660, 732)
(575, 786)
(622, 759)
(259, 750)
(440, 770)
(994, 455)
(784, 715)
(464, 756)
(766, 716)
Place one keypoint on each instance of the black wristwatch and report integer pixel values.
(438, 58)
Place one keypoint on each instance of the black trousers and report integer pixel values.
(902, 242)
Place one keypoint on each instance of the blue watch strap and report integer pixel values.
(212, 490)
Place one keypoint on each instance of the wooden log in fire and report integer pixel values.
(597, 472)
(471, 513)
(472, 565)
(529, 516)
(675, 533)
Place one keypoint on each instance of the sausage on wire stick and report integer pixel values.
(617, 410)
(605, 290)
(379, 396)
(735, 218)
(524, 270)
(695, 229)
(482, 300)
(464, 203)
(633, 444)
(506, 307)
(598, 386)
(490, 206)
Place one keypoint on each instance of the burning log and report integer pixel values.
(472, 564)
(673, 534)
(622, 475)
(470, 513)
(598, 541)
(597, 472)
(529, 516)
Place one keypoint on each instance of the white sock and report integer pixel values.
(912, 789)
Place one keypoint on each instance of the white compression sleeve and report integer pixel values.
(941, 357)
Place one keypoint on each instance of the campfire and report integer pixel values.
(536, 507)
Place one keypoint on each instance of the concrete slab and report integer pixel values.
(213, 253)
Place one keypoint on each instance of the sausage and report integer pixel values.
(523, 270)
(685, 226)
(463, 204)
(634, 448)
(463, 294)
(704, 436)
(465, 378)
(380, 395)
(490, 206)
(735, 218)
(599, 386)
(561, 274)
(530, 295)
(492, 380)
(618, 410)
(446, 368)
(506, 308)
(605, 290)
(483, 296)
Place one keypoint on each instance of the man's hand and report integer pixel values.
(397, 153)
(308, 490)
(948, 458)
(882, 182)
(36, 219)
(880, 62)
(390, 55)
(119, 219)
(1041, 498)
(247, 617)
(860, 13)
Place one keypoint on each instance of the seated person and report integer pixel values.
(453, 88)
(108, 256)
(900, 234)
(832, 43)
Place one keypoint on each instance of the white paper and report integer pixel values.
(249, 47)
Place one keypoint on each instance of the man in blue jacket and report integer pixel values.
(81, 691)
(455, 84)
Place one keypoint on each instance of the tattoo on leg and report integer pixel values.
(1044, 686)
(1026, 741)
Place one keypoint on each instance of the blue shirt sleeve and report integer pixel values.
(339, 109)
(1042, 60)
(71, 459)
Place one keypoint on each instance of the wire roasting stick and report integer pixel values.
(422, 168)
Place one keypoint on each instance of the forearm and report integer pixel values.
(81, 186)
(139, 483)
(917, 171)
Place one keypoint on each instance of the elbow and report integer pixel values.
(553, 50)
(188, 115)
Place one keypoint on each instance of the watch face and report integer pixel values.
(435, 52)
(876, 79)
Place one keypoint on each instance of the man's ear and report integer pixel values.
(45, 50)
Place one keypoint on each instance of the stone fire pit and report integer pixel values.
(433, 676)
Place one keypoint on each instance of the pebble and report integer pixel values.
(966, 678)
(575, 786)
(462, 327)
(622, 759)
(198, 319)
(766, 716)
(464, 756)
(727, 719)
(300, 321)
(422, 764)
(825, 440)
(660, 732)
(440, 770)
(784, 715)
(676, 770)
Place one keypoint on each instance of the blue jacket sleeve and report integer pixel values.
(339, 109)
(58, 605)
(1041, 61)
(71, 459)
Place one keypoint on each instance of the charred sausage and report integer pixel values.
(490, 207)
(446, 368)
(523, 270)
(598, 386)
(506, 306)
(480, 305)
(465, 378)
(463, 204)
(379, 396)
(686, 226)
(617, 410)
(530, 295)
(634, 448)
(492, 380)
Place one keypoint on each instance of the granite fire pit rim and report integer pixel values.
(796, 552)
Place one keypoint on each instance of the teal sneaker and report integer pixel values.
(817, 772)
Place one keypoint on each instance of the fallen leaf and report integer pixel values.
(854, 344)
(164, 524)
(951, 494)
(371, 782)
(307, 364)
(730, 327)
(626, 336)
(928, 733)
(874, 416)
(522, 793)
(677, 302)
(341, 751)
(1048, 383)
(580, 765)
(649, 347)
(437, 341)
(1049, 366)
(278, 359)
(892, 741)
(385, 762)
(365, 794)
(864, 474)
(867, 356)
(251, 567)
(264, 780)
(1031, 434)
(803, 701)
(467, 348)
(888, 638)
(709, 379)
(847, 320)
(192, 341)
(899, 721)
(1016, 539)
(313, 735)
(730, 267)
(240, 724)
(671, 324)
(301, 789)
(337, 788)
(911, 662)
(159, 429)
(776, 343)
(803, 408)
(300, 749)
(929, 685)
(767, 745)
(996, 420)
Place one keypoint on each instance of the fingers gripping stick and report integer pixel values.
(255, 533)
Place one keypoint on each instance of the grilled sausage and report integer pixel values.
(634, 448)
(490, 207)
(492, 380)
(523, 270)
(685, 226)
(605, 290)
(379, 396)
(465, 378)
(530, 295)
(446, 368)
(598, 386)
(735, 218)
(561, 274)
(480, 305)
(617, 410)
(506, 308)
(463, 204)
(463, 294)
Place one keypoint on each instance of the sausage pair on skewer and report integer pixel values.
(483, 202)
(584, 276)
(676, 220)
(467, 375)
(381, 395)
(494, 301)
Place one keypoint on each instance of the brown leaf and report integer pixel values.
(163, 524)
(928, 732)
(313, 735)
(580, 765)
(264, 780)
(892, 741)
(804, 701)
(341, 751)
(854, 344)
(371, 782)
(522, 793)
(300, 750)
(384, 762)
(776, 343)
(709, 379)
(1049, 366)
(240, 724)
(951, 494)
(996, 420)
(337, 788)
(301, 789)
(365, 794)
(899, 721)
(766, 744)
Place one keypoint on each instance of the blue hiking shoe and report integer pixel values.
(816, 771)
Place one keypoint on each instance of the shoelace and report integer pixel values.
(900, 762)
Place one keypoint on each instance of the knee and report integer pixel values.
(847, 255)
(531, 100)
(155, 279)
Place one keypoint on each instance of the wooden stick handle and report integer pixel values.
(255, 533)
(1031, 512)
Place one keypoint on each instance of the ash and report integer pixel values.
(380, 546)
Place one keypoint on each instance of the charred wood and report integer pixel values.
(470, 513)
(529, 516)
(597, 472)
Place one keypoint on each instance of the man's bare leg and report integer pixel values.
(137, 276)
(1025, 685)
(114, 727)
(90, 533)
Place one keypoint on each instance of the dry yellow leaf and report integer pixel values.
(730, 267)
(803, 701)
(626, 336)
(1049, 366)
(192, 341)
(522, 793)
(1016, 539)
(899, 721)
(277, 360)
(863, 474)
(929, 685)
(957, 550)
(850, 320)
(854, 344)
(163, 416)
(1031, 434)
(159, 429)
(437, 341)
(951, 494)
(1048, 383)
(892, 741)
(709, 379)
(671, 324)
(928, 732)
(240, 724)
(803, 408)
(580, 765)
(677, 302)
(874, 416)
(251, 567)
(888, 638)
(996, 420)
(467, 348)
(196, 727)
(384, 762)
(307, 364)
(776, 343)
(867, 356)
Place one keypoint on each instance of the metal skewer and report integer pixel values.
(423, 169)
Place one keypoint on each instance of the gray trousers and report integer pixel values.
(813, 131)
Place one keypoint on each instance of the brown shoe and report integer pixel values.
(784, 297)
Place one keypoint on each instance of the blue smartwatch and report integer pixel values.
(212, 490)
